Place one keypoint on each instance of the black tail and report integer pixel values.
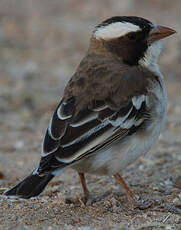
(31, 186)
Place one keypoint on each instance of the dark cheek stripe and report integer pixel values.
(129, 52)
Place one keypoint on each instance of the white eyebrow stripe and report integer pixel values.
(115, 30)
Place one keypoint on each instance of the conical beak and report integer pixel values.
(159, 32)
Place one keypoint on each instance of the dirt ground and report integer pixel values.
(41, 43)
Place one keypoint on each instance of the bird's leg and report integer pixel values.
(80, 200)
(87, 199)
(131, 196)
(126, 187)
(84, 187)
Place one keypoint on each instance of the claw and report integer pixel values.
(142, 205)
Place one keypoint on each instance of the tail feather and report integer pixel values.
(31, 186)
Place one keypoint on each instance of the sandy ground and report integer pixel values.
(41, 43)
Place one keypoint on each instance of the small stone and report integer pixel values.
(178, 182)
(176, 201)
(179, 196)
(179, 221)
(19, 145)
(168, 183)
(49, 228)
(2, 176)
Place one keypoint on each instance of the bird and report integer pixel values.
(112, 111)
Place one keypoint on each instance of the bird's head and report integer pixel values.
(133, 39)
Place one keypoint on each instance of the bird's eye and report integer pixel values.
(131, 36)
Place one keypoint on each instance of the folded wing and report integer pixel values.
(71, 136)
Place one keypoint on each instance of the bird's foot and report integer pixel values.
(94, 199)
(143, 204)
(139, 203)
(77, 201)
(87, 200)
